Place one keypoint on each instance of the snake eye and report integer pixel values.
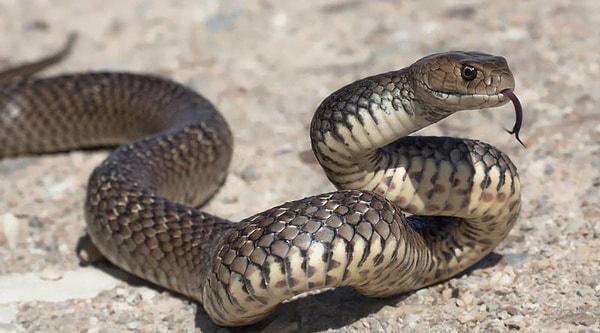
(468, 73)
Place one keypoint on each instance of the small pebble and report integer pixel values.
(93, 320)
(412, 319)
(250, 173)
(147, 293)
(504, 278)
(466, 318)
(64, 248)
(87, 252)
(230, 199)
(447, 293)
(515, 322)
(134, 325)
(51, 274)
(483, 308)
(10, 230)
(502, 315)
(580, 318)
(121, 292)
(465, 300)
(134, 298)
(512, 310)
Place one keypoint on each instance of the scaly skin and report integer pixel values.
(464, 194)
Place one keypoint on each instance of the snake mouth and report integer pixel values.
(518, 114)
(502, 96)
(479, 100)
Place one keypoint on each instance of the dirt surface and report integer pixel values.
(267, 65)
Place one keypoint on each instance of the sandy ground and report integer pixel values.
(267, 65)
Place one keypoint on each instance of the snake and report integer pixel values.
(408, 211)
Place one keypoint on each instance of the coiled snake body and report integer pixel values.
(464, 194)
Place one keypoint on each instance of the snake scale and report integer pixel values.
(463, 196)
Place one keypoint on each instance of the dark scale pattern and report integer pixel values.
(311, 227)
(182, 155)
(370, 94)
(465, 229)
(176, 149)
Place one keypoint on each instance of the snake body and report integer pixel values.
(464, 195)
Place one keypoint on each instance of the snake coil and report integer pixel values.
(463, 195)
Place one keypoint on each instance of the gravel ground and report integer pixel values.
(264, 63)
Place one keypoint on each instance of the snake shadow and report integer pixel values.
(330, 309)
(327, 310)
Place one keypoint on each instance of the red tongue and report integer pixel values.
(519, 113)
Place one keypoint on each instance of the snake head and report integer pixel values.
(456, 80)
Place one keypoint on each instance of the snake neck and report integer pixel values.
(352, 126)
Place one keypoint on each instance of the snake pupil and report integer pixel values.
(469, 73)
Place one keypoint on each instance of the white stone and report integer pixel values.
(11, 228)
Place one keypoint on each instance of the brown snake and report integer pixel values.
(464, 195)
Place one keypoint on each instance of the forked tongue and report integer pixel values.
(518, 112)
